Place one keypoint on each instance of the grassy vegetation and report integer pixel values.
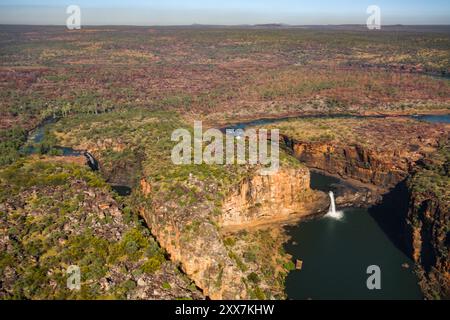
(259, 254)
(51, 219)
(218, 74)
(433, 179)
(10, 142)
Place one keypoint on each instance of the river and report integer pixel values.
(37, 136)
(335, 253)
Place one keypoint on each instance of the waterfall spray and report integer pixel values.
(332, 213)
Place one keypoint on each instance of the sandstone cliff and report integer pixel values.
(192, 234)
(428, 220)
(428, 224)
(198, 248)
(379, 151)
(381, 168)
(260, 199)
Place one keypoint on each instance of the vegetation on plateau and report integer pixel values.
(54, 215)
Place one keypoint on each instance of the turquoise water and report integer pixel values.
(336, 254)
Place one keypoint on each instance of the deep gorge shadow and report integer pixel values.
(391, 213)
(427, 252)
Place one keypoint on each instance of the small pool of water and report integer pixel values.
(123, 191)
(443, 118)
(336, 254)
(38, 135)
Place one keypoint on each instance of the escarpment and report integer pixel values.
(198, 248)
(192, 234)
(381, 152)
(260, 199)
(428, 224)
(383, 169)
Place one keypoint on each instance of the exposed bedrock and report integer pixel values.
(384, 169)
(285, 195)
(428, 221)
(192, 236)
(413, 185)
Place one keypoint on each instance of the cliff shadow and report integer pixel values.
(391, 213)
(428, 257)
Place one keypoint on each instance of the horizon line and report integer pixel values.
(268, 24)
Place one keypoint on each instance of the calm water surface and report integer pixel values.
(336, 254)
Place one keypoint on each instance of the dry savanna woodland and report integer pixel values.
(342, 98)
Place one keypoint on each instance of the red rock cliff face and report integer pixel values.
(205, 260)
(383, 169)
(428, 223)
(192, 237)
(281, 196)
(193, 241)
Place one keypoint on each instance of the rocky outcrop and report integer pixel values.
(352, 193)
(281, 196)
(146, 187)
(356, 197)
(75, 220)
(384, 169)
(192, 234)
(428, 224)
(198, 247)
(428, 221)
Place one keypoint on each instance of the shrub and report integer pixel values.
(253, 277)
(152, 265)
(289, 266)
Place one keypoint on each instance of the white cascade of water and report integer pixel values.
(332, 213)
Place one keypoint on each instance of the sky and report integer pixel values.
(223, 12)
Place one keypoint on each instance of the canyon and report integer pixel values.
(383, 154)
(367, 157)
(194, 239)
(120, 92)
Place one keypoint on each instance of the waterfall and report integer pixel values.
(333, 204)
(91, 161)
(332, 213)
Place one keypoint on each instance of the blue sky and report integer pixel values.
(176, 12)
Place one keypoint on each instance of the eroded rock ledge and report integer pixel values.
(264, 199)
(383, 169)
(192, 236)
(428, 222)
(381, 152)
(385, 153)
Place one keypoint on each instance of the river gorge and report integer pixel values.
(335, 252)
(372, 195)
